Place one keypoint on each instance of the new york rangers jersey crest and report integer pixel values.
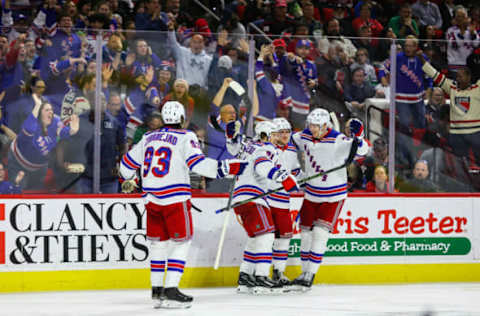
(463, 103)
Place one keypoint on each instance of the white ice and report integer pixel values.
(422, 299)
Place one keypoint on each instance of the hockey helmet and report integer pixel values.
(173, 112)
(318, 117)
(281, 124)
(264, 127)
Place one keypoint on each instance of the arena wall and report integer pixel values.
(98, 242)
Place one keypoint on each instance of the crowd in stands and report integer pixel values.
(305, 54)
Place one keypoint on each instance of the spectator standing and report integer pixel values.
(192, 63)
(270, 89)
(427, 13)
(462, 39)
(464, 111)
(300, 76)
(41, 132)
(410, 90)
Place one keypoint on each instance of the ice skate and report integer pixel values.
(304, 282)
(280, 278)
(157, 296)
(246, 283)
(173, 298)
(265, 285)
(156, 292)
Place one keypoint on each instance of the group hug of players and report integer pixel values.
(164, 158)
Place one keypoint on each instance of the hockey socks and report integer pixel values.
(320, 237)
(280, 253)
(249, 258)
(263, 253)
(306, 242)
(178, 251)
(158, 255)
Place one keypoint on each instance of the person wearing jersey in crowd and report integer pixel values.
(324, 148)
(464, 129)
(39, 135)
(279, 202)
(256, 217)
(164, 158)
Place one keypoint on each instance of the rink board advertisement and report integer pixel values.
(108, 234)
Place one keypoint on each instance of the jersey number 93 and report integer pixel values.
(163, 163)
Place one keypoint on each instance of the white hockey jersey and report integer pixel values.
(285, 158)
(165, 157)
(260, 170)
(460, 46)
(321, 155)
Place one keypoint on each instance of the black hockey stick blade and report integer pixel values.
(353, 151)
(196, 208)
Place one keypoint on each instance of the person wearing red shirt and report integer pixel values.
(365, 19)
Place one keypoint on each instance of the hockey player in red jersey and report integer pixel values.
(279, 202)
(256, 217)
(164, 158)
(324, 149)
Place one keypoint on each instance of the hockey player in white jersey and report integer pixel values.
(164, 158)
(279, 202)
(324, 149)
(255, 216)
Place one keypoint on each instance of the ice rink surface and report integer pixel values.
(421, 299)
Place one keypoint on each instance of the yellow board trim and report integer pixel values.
(207, 277)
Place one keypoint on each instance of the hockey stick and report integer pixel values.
(241, 92)
(351, 156)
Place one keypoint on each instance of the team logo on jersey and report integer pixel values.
(463, 103)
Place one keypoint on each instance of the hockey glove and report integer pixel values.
(232, 129)
(287, 180)
(231, 167)
(356, 128)
(128, 186)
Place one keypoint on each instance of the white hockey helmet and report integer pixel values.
(318, 117)
(264, 127)
(281, 124)
(173, 112)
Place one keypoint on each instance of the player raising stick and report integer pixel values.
(164, 158)
(279, 202)
(324, 149)
(256, 217)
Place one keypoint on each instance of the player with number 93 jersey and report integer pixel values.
(164, 158)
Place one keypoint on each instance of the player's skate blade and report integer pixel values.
(157, 296)
(174, 299)
(266, 286)
(280, 278)
(303, 283)
(246, 282)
